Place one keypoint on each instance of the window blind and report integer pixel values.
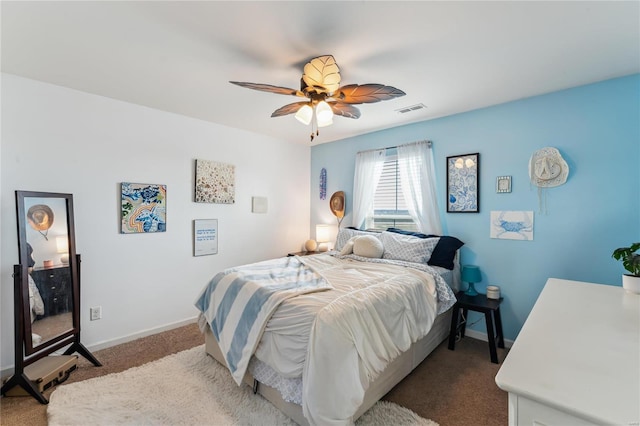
(389, 207)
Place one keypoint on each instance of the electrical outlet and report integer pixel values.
(95, 313)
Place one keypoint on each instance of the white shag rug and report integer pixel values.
(187, 388)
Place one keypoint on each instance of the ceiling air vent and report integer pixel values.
(411, 108)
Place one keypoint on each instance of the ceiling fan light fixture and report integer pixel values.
(321, 81)
(304, 114)
(325, 123)
(324, 113)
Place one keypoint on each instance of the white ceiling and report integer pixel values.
(450, 56)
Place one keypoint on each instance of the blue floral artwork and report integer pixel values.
(512, 225)
(144, 208)
(462, 183)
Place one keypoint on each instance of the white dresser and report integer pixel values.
(576, 360)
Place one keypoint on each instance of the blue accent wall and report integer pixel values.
(595, 127)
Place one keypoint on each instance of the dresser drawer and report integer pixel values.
(54, 285)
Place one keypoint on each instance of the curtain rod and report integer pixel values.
(429, 144)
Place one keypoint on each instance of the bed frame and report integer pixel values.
(397, 370)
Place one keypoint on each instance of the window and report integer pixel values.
(378, 199)
(389, 206)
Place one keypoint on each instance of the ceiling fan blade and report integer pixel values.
(366, 93)
(322, 74)
(288, 109)
(344, 110)
(269, 88)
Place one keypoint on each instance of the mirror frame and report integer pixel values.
(24, 274)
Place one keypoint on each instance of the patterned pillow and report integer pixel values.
(445, 252)
(345, 234)
(407, 248)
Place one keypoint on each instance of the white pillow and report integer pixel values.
(348, 247)
(407, 248)
(368, 246)
(345, 235)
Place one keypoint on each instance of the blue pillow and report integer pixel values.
(444, 252)
(414, 234)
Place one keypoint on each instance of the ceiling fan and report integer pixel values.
(320, 84)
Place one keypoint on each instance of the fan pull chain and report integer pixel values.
(314, 123)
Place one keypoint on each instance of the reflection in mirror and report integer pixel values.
(51, 303)
(46, 242)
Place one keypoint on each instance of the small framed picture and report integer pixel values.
(503, 184)
(205, 237)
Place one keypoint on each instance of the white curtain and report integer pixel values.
(417, 175)
(365, 181)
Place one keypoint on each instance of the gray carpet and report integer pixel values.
(449, 387)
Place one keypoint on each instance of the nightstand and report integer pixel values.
(491, 310)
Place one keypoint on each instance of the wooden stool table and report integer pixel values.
(491, 310)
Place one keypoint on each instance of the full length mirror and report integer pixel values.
(49, 280)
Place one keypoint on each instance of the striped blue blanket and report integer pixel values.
(238, 302)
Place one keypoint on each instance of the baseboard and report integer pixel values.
(483, 336)
(144, 333)
(8, 371)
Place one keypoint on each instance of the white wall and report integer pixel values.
(59, 140)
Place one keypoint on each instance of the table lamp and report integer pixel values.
(471, 275)
(323, 236)
(62, 246)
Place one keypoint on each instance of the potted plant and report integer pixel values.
(631, 262)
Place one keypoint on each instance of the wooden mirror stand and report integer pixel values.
(46, 294)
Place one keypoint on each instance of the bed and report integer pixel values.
(369, 316)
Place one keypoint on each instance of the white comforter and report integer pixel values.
(238, 302)
(283, 345)
(355, 336)
(339, 340)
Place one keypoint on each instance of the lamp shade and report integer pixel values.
(471, 274)
(304, 114)
(322, 233)
(62, 244)
(325, 123)
(324, 114)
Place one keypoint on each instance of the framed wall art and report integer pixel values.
(503, 184)
(323, 184)
(512, 225)
(463, 173)
(259, 204)
(143, 207)
(215, 182)
(205, 237)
